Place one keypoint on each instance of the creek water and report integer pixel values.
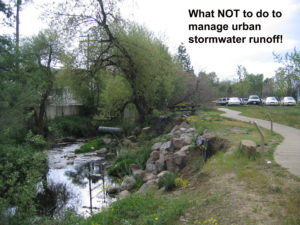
(77, 181)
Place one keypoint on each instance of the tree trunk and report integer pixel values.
(40, 121)
(17, 50)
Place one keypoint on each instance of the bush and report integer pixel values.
(36, 141)
(121, 164)
(21, 168)
(77, 126)
(168, 181)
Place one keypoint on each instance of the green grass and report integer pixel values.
(142, 209)
(284, 115)
(94, 145)
(138, 155)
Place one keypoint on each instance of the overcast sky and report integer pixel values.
(169, 19)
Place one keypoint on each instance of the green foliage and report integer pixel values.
(74, 125)
(115, 99)
(184, 58)
(168, 181)
(37, 141)
(121, 164)
(21, 168)
(90, 146)
(93, 145)
(141, 209)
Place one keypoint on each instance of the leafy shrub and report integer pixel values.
(121, 164)
(36, 141)
(74, 125)
(168, 181)
(21, 168)
(179, 182)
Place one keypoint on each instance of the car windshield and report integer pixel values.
(290, 98)
(271, 99)
(253, 97)
(234, 99)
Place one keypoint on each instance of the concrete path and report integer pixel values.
(287, 153)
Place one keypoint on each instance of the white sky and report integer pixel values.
(169, 20)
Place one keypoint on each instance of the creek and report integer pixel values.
(76, 181)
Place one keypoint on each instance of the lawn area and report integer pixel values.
(228, 189)
(284, 115)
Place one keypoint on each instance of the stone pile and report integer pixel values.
(166, 156)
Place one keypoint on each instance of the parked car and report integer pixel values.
(271, 101)
(234, 101)
(253, 99)
(288, 101)
(223, 101)
(244, 100)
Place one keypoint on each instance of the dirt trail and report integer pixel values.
(287, 153)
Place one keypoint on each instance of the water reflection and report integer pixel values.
(84, 178)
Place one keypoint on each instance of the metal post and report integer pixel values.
(90, 190)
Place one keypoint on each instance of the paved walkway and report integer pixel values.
(287, 153)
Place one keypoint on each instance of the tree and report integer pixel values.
(269, 87)
(41, 52)
(7, 11)
(129, 49)
(289, 72)
(184, 58)
(248, 83)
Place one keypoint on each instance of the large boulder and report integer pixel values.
(150, 185)
(170, 163)
(185, 149)
(146, 130)
(138, 174)
(167, 146)
(162, 174)
(114, 190)
(155, 155)
(102, 152)
(159, 166)
(132, 138)
(124, 194)
(149, 176)
(173, 130)
(186, 137)
(156, 146)
(177, 143)
(184, 125)
(150, 167)
(180, 159)
(128, 183)
(106, 141)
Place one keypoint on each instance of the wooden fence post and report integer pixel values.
(270, 118)
(262, 137)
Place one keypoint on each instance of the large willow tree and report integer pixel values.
(121, 49)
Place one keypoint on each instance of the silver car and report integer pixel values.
(234, 101)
